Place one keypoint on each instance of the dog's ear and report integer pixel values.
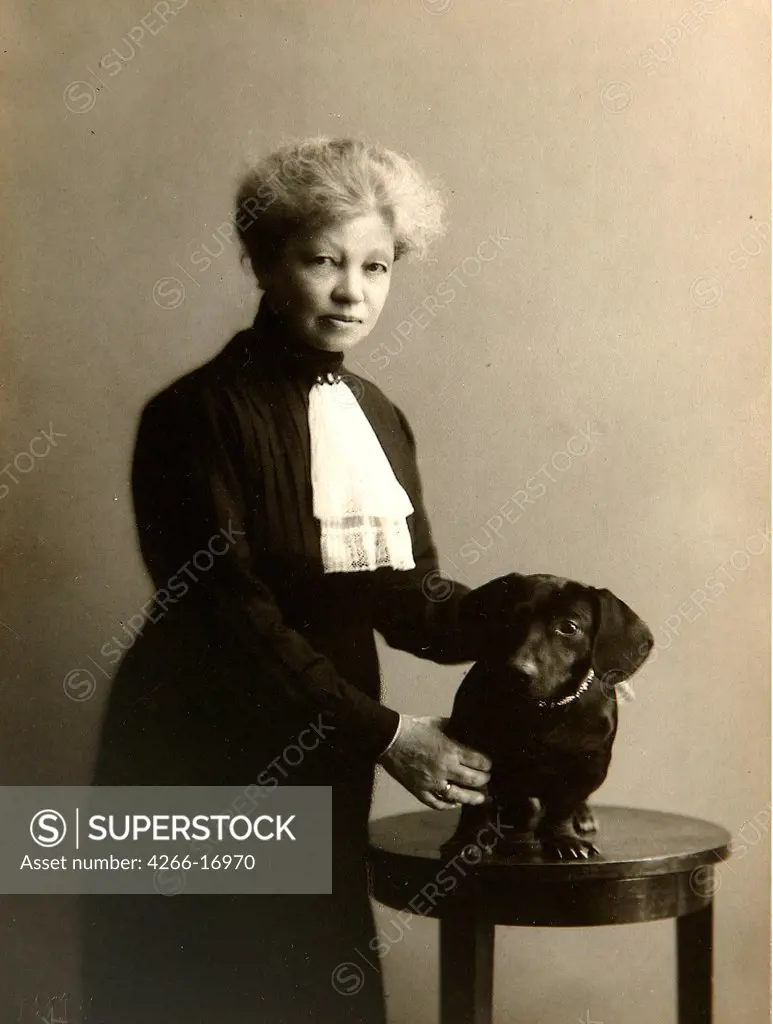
(485, 613)
(622, 640)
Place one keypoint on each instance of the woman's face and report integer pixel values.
(329, 286)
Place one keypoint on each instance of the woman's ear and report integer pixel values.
(622, 642)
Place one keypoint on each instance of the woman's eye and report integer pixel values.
(376, 268)
(567, 628)
(322, 261)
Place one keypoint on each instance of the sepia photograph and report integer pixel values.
(385, 512)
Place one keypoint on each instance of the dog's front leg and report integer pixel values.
(516, 820)
(474, 821)
(557, 833)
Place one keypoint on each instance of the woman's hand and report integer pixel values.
(425, 760)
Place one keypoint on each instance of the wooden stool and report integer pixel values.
(653, 866)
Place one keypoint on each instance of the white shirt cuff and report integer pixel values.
(394, 738)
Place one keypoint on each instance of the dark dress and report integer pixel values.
(252, 645)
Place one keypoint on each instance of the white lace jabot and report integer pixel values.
(360, 504)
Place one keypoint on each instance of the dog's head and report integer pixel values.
(549, 631)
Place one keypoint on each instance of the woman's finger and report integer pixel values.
(473, 758)
(430, 799)
(465, 796)
(468, 777)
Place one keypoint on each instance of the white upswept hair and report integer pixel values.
(315, 182)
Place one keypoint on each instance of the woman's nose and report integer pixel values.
(349, 287)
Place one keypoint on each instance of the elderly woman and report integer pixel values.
(310, 473)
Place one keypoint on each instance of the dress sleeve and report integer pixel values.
(187, 501)
(421, 610)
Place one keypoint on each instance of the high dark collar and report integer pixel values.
(269, 345)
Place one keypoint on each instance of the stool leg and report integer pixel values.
(694, 937)
(466, 967)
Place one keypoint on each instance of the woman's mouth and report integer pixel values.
(340, 320)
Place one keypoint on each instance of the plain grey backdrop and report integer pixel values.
(618, 153)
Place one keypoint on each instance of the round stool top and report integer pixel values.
(634, 844)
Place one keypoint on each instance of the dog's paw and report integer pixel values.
(585, 821)
(568, 847)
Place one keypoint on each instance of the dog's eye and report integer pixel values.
(565, 627)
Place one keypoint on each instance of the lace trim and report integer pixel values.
(365, 543)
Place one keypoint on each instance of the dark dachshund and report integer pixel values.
(541, 702)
